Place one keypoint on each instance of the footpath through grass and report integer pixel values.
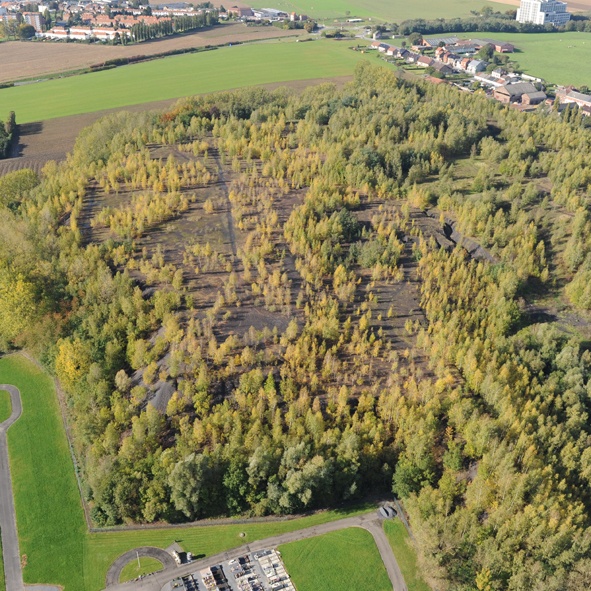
(405, 555)
(337, 561)
(179, 76)
(51, 525)
(146, 566)
(5, 406)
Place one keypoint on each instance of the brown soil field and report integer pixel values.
(29, 59)
(52, 140)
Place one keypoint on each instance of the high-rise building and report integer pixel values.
(540, 12)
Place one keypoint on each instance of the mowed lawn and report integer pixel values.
(405, 555)
(146, 566)
(178, 76)
(51, 525)
(560, 58)
(5, 407)
(387, 10)
(338, 561)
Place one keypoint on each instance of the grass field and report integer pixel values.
(132, 571)
(388, 10)
(561, 58)
(2, 581)
(179, 76)
(52, 530)
(5, 407)
(405, 555)
(338, 561)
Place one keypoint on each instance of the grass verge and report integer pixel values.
(5, 406)
(405, 555)
(52, 530)
(146, 566)
(345, 559)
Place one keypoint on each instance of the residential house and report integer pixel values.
(442, 68)
(80, 33)
(56, 33)
(464, 62)
(425, 61)
(476, 66)
(512, 93)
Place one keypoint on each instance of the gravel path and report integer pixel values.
(368, 521)
(12, 561)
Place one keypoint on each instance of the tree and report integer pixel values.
(25, 31)
(188, 483)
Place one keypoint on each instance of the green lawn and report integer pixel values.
(561, 58)
(339, 561)
(5, 407)
(387, 10)
(146, 567)
(52, 530)
(405, 555)
(178, 76)
(2, 581)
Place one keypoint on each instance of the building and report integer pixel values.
(35, 19)
(512, 93)
(439, 41)
(568, 94)
(476, 66)
(540, 12)
(533, 98)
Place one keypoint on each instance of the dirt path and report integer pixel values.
(13, 573)
(368, 521)
(224, 183)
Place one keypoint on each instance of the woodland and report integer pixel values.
(268, 302)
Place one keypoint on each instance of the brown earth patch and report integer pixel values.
(29, 59)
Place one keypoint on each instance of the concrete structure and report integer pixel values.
(540, 12)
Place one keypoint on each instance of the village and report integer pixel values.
(458, 62)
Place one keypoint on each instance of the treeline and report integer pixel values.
(342, 201)
(178, 24)
(490, 24)
(7, 131)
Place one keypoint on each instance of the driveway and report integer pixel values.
(12, 561)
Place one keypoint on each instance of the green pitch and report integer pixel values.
(184, 75)
(338, 561)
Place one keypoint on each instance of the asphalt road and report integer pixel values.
(12, 561)
(368, 521)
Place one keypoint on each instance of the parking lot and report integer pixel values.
(260, 571)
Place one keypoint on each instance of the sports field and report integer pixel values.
(341, 560)
(174, 77)
(50, 520)
(405, 555)
(5, 408)
(560, 58)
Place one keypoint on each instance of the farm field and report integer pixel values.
(5, 408)
(53, 534)
(346, 559)
(405, 555)
(561, 58)
(31, 59)
(386, 10)
(179, 76)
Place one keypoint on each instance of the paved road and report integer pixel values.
(12, 561)
(117, 567)
(369, 521)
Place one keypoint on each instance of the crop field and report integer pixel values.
(41, 58)
(5, 408)
(346, 559)
(179, 76)
(561, 58)
(405, 555)
(52, 530)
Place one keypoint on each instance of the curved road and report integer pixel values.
(117, 567)
(12, 561)
(369, 521)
